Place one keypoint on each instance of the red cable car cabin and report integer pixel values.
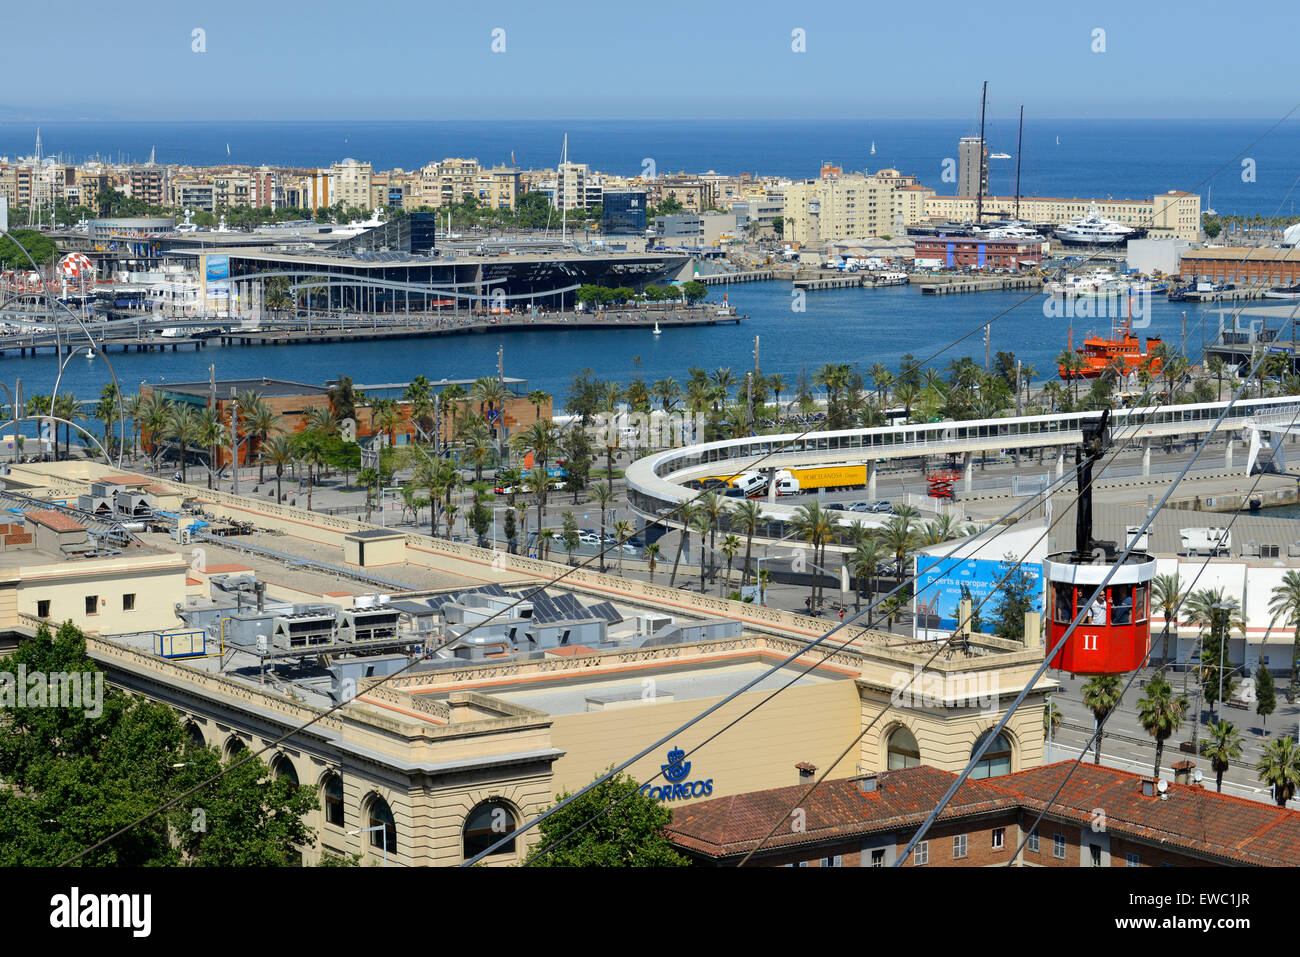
(1114, 634)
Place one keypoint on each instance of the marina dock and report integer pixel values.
(982, 285)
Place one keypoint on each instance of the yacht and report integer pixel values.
(1098, 282)
(1011, 230)
(1092, 230)
(1283, 292)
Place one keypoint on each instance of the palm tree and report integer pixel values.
(1161, 713)
(538, 398)
(1169, 597)
(538, 483)
(451, 399)
(1222, 746)
(604, 494)
(900, 538)
(1280, 768)
(667, 391)
(66, 406)
(777, 384)
(1051, 718)
(110, 402)
(477, 442)
(746, 517)
(386, 417)
(652, 552)
(208, 432)
(730, 545)
(261, 421)
(865, 558)
(701, 522)
(1284, 602)
(712, 506)
(814, 526)
(180, 427)
(1101, 695)
(310, 448)
(135, 407)
(278, 451)
(545, 538)
(622, 532)
(685, 514)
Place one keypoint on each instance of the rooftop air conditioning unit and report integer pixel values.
(648, 624)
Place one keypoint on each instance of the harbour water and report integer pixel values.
(857, 326)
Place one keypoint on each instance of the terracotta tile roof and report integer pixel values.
(838, 809)
(55, 520)
(569, 651)
(125, 479)
(158, 489)
(226, 568)
(1191, 819)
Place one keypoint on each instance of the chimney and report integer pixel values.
(963, 617)
(1033, 630)
(807, 772)
(1183, 772)
(259, 588)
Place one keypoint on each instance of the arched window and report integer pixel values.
(381, 817)
(904, 752)
(487, 824)
(283, 768)
(196, 735)
(332, 791)
(996, 760)
(234, 747)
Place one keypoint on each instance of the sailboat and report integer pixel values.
(873, 147)
(1058, 141)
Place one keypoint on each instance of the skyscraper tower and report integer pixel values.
(972, 174)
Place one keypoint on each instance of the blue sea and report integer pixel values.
(1123, 159)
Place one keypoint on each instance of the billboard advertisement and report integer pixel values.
(218, 267)
(941, 581)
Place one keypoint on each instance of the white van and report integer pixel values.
(750, 482)
(789, 485)
(1206, 541)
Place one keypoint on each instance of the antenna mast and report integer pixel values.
(979, 184)
(1020, 138)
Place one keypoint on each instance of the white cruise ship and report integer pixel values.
(1092, 230)
(1011, 230)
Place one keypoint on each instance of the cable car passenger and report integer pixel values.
(1121, 609)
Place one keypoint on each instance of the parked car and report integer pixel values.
(860, 507)
(882, 506)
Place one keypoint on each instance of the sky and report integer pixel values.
(434, 60)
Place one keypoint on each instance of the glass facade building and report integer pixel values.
(623, 213)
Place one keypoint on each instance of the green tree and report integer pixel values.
(569, 536)
(1161, 713)
(1284, 602)
(74, 776)
(1101, 695)
(1280, 768)
(627, 830)
(1222, 747)
(1265, 694)
(694, 291)
(1019, 589)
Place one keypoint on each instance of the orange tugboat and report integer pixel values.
(1100, 354)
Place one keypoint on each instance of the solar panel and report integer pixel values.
(571, 605)
(607, 611)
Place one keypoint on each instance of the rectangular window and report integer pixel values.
(959, 846)
(1094, 851)
(1058, 847)
(92, 604)
(1131, 860)
(921, 854)
(878, 857)
(999, 838)
(1032, 844)
(128, 601)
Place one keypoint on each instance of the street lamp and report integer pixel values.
(1223, 645)
(377, 827)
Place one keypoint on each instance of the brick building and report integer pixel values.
(1242, 265)
(958, 252)
(868, 821)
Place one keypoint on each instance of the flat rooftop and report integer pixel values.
(696, 679)
(267, 388)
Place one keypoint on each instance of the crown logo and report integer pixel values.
(675, 770)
